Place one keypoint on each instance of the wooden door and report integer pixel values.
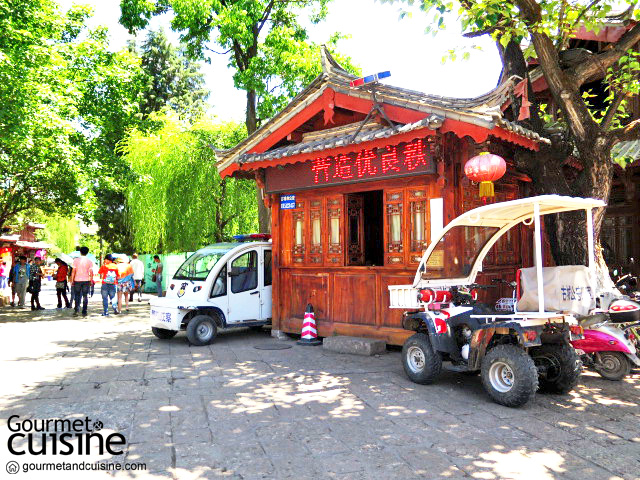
(355, 229)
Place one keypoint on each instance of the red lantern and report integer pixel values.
(485, 168)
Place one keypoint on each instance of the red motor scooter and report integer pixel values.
(610, 344)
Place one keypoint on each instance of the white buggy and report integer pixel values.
(515, 353)
(224, 285)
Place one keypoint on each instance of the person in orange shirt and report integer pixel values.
(109, 274)
(125, 282)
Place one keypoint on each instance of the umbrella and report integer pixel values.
(65, 258)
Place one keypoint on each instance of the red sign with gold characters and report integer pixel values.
(414, 158)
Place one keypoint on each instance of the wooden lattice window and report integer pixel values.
(394, 227)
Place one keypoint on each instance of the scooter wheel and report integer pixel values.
(613, 366)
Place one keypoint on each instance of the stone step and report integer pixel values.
(354, 345)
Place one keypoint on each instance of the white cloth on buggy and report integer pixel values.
(566, 289)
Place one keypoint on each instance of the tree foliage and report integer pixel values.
(180, 203)
(542, 30)
(61, 93)
(269, 48)
(172, 80)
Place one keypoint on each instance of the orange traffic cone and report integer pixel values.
(309, 335)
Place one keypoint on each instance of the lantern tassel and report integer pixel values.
(486, 189)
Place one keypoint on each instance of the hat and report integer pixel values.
(109, 257)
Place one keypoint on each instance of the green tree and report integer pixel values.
(180, 203)
(62, 232)
(269, 49)
(40, 166)
(65, 100)
(172, 80)
(541, 30)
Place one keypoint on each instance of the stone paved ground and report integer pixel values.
(232, 411)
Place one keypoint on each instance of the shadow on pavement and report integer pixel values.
(231, 411)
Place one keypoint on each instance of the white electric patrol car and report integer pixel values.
(223, 285)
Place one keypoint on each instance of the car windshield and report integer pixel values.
(457, 251)
(198, 265)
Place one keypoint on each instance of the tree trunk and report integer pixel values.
(264, 214)
(566, 232)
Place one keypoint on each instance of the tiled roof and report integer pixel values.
(626, 150)
(484, 111)
(432, 121)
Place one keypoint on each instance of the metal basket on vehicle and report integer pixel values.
(506, 305)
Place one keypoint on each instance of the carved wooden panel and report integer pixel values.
(355, 229)
(301, 289)
(298, 234)
(418, 220)
(394, 227)
(354, 298)
(335, 229)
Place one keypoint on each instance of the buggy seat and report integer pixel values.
(566, 288)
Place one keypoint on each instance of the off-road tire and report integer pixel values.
(565, 367)
(419, 347)
(618, 359)
(524, 376)
(163, 333)
(201, 330)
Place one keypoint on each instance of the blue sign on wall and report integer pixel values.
(287, 202)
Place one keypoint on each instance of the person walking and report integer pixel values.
(157, 274)
(138, 276)
(35, 283)
(4, 272)
(21, 275)
(62, 274)
(12, 284)
(109, 274)
(81, 279)
(125, 282)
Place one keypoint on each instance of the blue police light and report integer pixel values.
(369, 79)
(253, 237)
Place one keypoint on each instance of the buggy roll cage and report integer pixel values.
(504, 216)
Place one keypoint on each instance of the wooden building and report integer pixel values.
(357, 180)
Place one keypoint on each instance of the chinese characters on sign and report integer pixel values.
(570, 292)
(413, 158)
(287, 202)
(367, 163)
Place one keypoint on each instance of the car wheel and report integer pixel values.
(559, 365)
(509, 375)
(163, 333)
(613, 365)
(421, 364)
(201, 330)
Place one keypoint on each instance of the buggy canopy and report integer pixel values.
(455, 256)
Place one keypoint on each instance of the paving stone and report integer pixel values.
(230, 411)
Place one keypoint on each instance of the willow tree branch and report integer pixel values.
(612, 110)
(595, 67)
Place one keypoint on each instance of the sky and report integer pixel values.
(378, 41)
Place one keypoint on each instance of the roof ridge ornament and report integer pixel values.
(329, 64)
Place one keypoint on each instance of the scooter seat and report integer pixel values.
(589, 320)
